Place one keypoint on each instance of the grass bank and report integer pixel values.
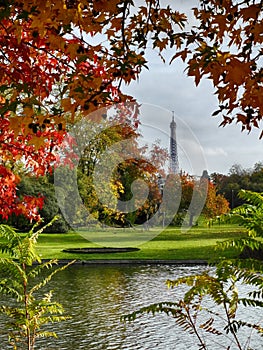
(197, 243)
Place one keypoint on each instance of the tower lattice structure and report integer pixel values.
(174, 163)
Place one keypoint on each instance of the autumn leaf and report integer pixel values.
(237, 72)
(250, 12)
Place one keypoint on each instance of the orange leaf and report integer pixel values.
(237, 71)
(250, 12)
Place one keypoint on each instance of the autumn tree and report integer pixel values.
(59, 59)
(225, 46)
(207, 201)
(117, 199)
(39, 51)
(102, 208)
(216, 204)
(147, 169)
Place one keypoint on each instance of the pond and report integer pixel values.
(97, 296)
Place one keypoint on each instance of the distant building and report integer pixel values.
(174, 164)
(205, 175)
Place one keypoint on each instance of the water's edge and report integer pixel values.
(132, 262)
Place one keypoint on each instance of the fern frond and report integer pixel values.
(46, 334)
(38, 269)
(11, 289)
(49, 277)
(169, 308)
(250, 302)
(235, 325)
(33, 235)
(252, 197)
(16, 278)
(201, 285)
(207, 326)
(13, 239)
(239, 244)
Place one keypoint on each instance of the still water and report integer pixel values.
(97, 296)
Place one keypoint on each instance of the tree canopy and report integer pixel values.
(226, 47)
(61, 60)
(238, 178)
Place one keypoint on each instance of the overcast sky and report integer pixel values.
(169, 89)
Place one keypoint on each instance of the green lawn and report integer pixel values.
(197, 243)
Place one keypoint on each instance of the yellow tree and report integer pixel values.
(215, 204)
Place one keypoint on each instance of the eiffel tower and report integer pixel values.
(174, 164)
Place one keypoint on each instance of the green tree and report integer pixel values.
(103, 208)
(256, 178)
(117, 148)
(39, 187)
(238, 178)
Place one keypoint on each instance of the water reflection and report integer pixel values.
(101, 295)
(96, 297)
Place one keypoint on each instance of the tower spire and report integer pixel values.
(174, 164)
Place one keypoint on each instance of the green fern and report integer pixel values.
(222, 286)
(28, 313)
(250, 214)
